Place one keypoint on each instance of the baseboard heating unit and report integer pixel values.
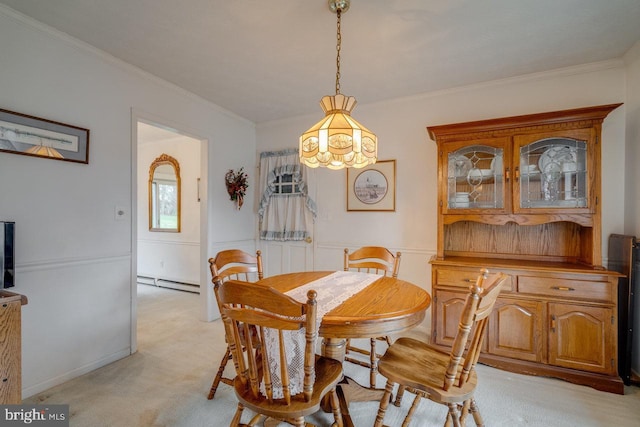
(168, 283)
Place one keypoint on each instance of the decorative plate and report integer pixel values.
(554, 157)
(459, 166)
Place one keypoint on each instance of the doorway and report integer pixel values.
(169, 259)
(168, 255)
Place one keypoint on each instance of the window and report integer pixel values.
(284, 184)
(164, 194)
(165, 206)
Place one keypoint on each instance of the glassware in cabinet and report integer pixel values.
(475, 178)
(553, 173)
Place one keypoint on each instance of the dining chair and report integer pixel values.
(259, 384)
(237, 265)
(446, 378)
(376, 260)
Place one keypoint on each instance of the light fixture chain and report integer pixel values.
(338, 140)
(338, 46)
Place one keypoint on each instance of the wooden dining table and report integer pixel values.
(385, 307)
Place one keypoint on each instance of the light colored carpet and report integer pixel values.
(166, 383)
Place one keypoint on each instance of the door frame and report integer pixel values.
(206, 292)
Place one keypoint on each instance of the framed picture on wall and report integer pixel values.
(33, 136)
(372, 188)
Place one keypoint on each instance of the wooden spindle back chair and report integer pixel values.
(248, 307)
(446, 378)
(237, 265)
(374, 260)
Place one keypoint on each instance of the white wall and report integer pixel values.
(73, 259)
(632, 178)
(171, 256)
(401, 129)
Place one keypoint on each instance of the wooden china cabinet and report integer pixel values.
(522, 195)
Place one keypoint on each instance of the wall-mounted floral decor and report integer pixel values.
(237, 183)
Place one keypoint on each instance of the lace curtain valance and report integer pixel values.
(285, 208)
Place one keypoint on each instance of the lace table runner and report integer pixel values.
(332, 291)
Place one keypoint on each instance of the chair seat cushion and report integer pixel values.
(418, 365)
(328, 374)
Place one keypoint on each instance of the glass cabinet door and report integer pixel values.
(553, 173)
(475, 178)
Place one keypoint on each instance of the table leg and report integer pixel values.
(348, 389)
(334, 348)
(355, 392)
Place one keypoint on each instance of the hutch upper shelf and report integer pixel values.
(539, 170)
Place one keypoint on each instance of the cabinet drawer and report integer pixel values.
(566, 288)
(464, 278)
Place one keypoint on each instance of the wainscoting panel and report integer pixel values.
(78, 317)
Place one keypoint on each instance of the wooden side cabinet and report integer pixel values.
(522, 195)
(547, 321)
(11, 347)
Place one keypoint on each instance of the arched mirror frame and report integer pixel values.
(164, 159)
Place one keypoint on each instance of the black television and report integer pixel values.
(7, 254)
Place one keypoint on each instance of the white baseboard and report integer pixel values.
(52, 382)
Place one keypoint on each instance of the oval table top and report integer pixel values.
(385, 307)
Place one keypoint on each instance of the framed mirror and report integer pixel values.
(164, 194)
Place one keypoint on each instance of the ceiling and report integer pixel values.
(148, 134)
(268, 60)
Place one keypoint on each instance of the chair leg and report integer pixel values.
(399, 395)
(335, 408)
(414, 405)
(216, 380)
(374, 364)
(475, 412)
(238, 415)
(384, 403)
(256, 419)
(453, 415)
(464, 411)
(373, 357)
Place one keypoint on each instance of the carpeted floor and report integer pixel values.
(166, 382)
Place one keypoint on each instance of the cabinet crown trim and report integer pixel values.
(565, 119)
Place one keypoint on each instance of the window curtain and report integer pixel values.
(284, 216)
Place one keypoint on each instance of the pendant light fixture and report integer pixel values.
(338, 140)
